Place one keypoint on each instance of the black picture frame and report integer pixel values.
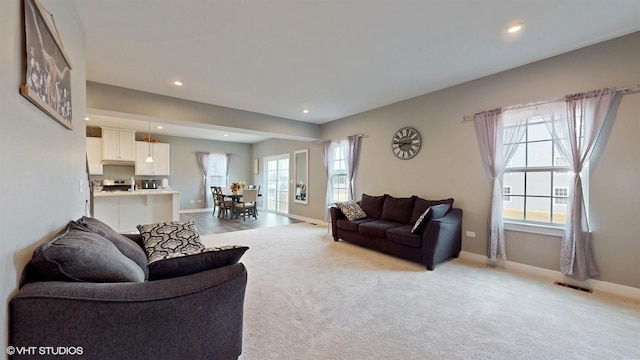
(48, 69)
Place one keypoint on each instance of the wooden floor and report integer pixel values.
(207, 223)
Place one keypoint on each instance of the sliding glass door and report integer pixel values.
(277, 181)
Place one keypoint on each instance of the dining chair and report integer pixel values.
(247, 206)
(223, 205)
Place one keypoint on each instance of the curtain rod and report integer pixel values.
(625, 90)
(343, 138)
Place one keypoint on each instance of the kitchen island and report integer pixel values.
(124, 210)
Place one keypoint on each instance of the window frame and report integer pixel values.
(219, 176)
(558, 166)
(339, 171)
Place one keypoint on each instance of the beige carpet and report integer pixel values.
(309, 297)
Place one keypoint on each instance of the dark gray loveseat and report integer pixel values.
(198, 315)
(388, 224)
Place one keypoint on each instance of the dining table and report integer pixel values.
(235, 197)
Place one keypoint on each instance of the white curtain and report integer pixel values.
(327, 157)
(576, 133)
(498, 138)
(351, 146)
(216, 165)
(351, 155)
(205, 169)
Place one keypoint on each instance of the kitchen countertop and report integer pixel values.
(136, 192)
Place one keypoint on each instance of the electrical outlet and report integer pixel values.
(470, 234)
(192, 201)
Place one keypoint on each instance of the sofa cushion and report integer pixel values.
(351, 210)
(180, 264)
(402, 235)
(397, 209)
(77, 254)
(421, 205)
(167, 238)
(351, 225)
(127, 247)
(372, 205)
(376, 228)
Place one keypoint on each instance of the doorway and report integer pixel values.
(277, 181)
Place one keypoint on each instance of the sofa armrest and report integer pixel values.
(442, 238)
(137, 237)
(336, 214)
(193, 316)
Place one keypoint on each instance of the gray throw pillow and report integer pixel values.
(421, 205)
(76, 254)
(351, 210)
(184, 264)
(162, 240)
(127, 247)
(438, 211)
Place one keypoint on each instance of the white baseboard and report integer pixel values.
(297, 217)
(306, 219)
(595, 285)
(187, 211)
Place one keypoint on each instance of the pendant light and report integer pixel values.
(149, 157)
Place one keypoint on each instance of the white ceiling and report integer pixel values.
(334, 57)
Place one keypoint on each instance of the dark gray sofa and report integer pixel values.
(198, 315)
(388, 226)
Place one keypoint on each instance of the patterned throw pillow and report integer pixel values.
(421, 222)
(166, 239)
(351, 210)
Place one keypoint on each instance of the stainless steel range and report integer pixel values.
(117, 185)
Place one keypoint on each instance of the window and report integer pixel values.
(277, 183)
(537, 179)
(506, 194)
(339, 181)
(561, 195)
(218, 166)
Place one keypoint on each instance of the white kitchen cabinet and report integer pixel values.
(118, 145)
(94, 155)
(161, 154)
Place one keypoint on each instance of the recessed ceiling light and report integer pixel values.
(87, 118)
(160, 127)
(515, 27)
(226, 134)
(177, 83)
(306, 111)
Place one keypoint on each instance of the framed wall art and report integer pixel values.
(48, 69)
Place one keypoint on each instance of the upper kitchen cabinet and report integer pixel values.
(161, 155)
(118, 145)
(94, 155)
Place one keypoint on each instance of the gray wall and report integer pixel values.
(128, 101)
(186, 176)
(42, 162)
(449, 163)
(317, 180)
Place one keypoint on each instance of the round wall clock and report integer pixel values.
(406, 143)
